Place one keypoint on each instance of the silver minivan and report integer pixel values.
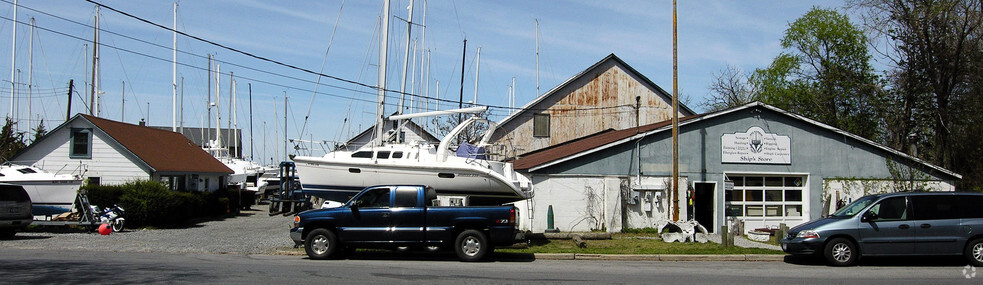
(908, 223)
(15, 209)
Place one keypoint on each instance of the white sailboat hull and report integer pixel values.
(50, 194)
(337, 176)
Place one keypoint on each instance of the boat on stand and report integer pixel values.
(466, 176)
(51, 194)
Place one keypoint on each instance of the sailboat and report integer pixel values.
(467, 175)
(340, 174)
(51, 194)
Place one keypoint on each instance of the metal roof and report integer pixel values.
(557, 154)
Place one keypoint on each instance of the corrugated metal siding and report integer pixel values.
(604, 101)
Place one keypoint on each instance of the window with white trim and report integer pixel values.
(766, 196)
(80, 145)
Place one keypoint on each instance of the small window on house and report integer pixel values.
(362, 154)
(81, 143)
(94, 181)
(541, 125)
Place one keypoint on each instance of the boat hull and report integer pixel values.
(51, 197)
(338, 181)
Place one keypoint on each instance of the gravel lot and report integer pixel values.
(251, 232)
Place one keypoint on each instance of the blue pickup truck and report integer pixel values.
(405, 216)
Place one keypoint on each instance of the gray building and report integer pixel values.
(754, 163)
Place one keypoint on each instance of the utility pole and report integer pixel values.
(71, 86)
(675, 121)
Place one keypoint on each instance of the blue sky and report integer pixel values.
(573, 35)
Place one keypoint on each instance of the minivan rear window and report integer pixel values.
(13, 193)
(970, 206)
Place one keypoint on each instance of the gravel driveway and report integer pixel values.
(251, 232)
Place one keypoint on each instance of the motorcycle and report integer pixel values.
(114, 216)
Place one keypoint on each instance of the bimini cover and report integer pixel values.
(471, 151)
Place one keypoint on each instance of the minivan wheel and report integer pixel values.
(841, 252)
(974, 252)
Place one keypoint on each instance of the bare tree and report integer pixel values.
(730, 88)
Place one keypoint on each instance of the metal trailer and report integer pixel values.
(87, 217)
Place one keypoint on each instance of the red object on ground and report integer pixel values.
(105, 230)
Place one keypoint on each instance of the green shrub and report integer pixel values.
(150, 203)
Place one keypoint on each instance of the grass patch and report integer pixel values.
(633, 243)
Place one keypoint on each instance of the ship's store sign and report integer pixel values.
(756, 146)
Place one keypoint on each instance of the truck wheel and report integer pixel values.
(841, 252)
(320, 244)
(974, 252)
(471, 245)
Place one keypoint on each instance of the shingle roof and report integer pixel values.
(550, 154)
(162, 150)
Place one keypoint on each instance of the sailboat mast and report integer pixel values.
(406, 58)
(537, 58)
(94, 95)
(174, 73)
(383, 51)
(30, 76)
(285, 156)
(477, 67)
(460, 99)
(218, 111)
(235, 120)
(208, 103)
(13, 62)
(251, 157)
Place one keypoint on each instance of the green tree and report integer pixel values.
(824, 74)
(39, 132)
(935, 47)
(10, 142)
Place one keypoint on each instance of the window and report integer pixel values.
(969, 206)
(398, 154)
(406, 197)
(776, 197)
(382, 155)
(541, 125)
(81, 143)
(375, 198)
(362, 154)
(93, 181)
(934, 207)
(891, 209)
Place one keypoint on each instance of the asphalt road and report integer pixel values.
(38, 266)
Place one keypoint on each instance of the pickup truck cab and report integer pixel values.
(404, 216)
